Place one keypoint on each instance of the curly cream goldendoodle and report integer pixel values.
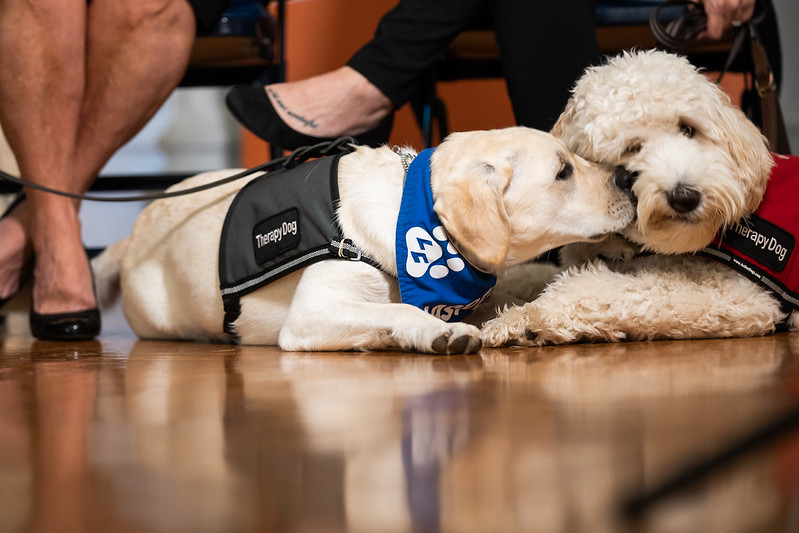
(701, 170)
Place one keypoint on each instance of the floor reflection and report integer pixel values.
(152, 436)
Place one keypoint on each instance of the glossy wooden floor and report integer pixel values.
(133, 436)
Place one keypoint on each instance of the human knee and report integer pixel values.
(156, 13)
(33, 15)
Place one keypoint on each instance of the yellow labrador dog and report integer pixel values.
(494, 199)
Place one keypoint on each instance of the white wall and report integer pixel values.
(788, 20)
(192, 132)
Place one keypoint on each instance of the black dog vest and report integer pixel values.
(278, 223)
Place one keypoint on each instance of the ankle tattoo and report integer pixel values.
(308, 123)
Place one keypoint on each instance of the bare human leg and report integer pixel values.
(138, 51)
(41, 86)
(87, 90)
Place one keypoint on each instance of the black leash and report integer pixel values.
(342, 144)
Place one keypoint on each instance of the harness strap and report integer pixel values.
(280, 223)
(346, 249)
(788, 300)
(232, 307)
(338, 248)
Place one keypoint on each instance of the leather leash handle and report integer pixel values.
(678, 35)
(771, 112)
(681, 32)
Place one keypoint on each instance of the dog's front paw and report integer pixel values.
(458, 338)
(611, 248)
(511, 328)
(617, 248)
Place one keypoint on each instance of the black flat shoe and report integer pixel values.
(28, 266)
(251, 106)
(73, 326)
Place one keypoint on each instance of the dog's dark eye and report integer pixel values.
(687, 130)
(634, 148)
(565, 172)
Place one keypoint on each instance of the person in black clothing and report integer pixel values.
(544, 47)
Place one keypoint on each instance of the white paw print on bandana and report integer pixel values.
(424, 251)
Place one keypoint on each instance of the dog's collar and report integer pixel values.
(405, 157)
(432, 275)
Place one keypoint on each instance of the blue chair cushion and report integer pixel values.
(240, 19)
(631, 12)
(244, 8)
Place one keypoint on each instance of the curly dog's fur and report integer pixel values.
(701, 165)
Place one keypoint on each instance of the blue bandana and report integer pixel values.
(432, 275)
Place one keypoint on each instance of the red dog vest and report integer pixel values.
(762, 247)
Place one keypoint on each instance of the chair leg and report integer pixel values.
(440, 114)
(430, 110)
(427, 125)
(274, 152)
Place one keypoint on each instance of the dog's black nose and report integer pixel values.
(684, 199)
(624, 179)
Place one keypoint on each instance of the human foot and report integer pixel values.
(341, 102)
(338, 103)
(63, 305)
(62, 275)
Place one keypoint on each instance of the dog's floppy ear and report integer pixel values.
(565, 120)
(749, 150)
(469, 202)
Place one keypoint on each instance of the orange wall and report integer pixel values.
(321, 35)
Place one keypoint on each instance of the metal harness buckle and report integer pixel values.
(344, 247)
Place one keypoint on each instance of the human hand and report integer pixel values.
(721, 14)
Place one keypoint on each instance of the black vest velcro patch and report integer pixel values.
(761, 240)
(276, 234)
